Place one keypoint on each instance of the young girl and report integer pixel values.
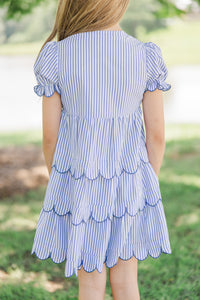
(102, 205)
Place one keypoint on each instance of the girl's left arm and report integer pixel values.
(51, 114)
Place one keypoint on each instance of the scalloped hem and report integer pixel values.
(99, 172)
(125, 259)
(162, 88)
(60, 199)
(47, 91)
(108, 216)
(124, 239)
(75, 271)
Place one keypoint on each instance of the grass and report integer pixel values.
(20, 138)
(20, 48)
(170, 277)
(179, 43)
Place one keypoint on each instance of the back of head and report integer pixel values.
(74, 16)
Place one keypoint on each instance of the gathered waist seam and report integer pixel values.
(102, 117)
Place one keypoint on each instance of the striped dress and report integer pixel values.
(103, 198)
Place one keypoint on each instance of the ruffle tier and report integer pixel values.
(101, 198)
(89, 222)
(160, 85)
(47, 90)
(93, 146)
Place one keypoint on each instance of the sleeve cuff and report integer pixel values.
(47, 90)
(160, 85)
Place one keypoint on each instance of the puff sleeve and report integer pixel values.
(46, 70)
(155, 68)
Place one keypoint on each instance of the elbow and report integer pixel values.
(159, 143)
(157, 139)
(48, 140)
(49, 137)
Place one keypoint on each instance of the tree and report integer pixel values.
(37, 17)
(154, 15)
(18, 8)
(34, 26)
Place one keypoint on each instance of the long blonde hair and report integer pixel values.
(74, 16)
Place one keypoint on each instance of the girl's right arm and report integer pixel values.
(153, 113)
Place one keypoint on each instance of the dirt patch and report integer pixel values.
(21, 169)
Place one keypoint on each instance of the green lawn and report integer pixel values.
(179, 43)
(20, 138)
(20, 49)
(170, 277)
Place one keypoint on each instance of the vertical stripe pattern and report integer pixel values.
(103, 198)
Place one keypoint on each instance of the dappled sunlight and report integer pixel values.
(15, 208)
(18, 224)
(181, 179)
(6, 252)
(17, 217)
(3, 211)
(39, 278)
(22, 209)
(50, 286)
(188, 219)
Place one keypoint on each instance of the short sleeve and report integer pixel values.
(46, 70)
(156, 69)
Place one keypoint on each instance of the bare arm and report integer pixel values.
(51, 113)
(153, 113)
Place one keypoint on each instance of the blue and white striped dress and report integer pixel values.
(103, 199)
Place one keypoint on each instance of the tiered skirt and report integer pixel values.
(90, 222)
(103, 198)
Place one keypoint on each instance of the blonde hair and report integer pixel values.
(74, 16)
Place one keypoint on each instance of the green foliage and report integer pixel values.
(31, 27)
(38, 24)
(168, 9)
(22, 22)
(20, 7)
(138, 19)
